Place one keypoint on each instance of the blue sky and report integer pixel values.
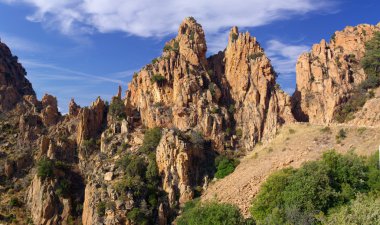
(86, 48)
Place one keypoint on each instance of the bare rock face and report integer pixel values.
(173, 91)
(180, 164)
(327, 74)
(249, 88)
(73, 108)
(13, 84)
(91, 121)
(369, 115)
(49, 113)
(43, 202)
(182, 89)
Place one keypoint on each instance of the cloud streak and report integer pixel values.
(69, 74)
(151, 18)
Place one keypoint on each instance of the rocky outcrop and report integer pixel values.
(369, 115)
(329, 72)
(249, 89)
(49, 112)
(91, 121)
(73, 108)
(181, 164)
(43, 202)
(182, 89)
(174, 91)
(13, 83)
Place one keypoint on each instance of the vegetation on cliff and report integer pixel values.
(359, 96)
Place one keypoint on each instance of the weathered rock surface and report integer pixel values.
(13, 83)
(249, 87)
(43, 202)
(181, 165)
(327, 74)
(91, 121)
(196, 94)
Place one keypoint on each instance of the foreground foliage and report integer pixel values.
(225, 166)
(212, 213)
(362, 210)
(304, 195)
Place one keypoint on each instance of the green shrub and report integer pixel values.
(255, 55)
(234, 37)
(210, 214)
(224, 166)
(101, 209)
(168, 47)
(63, 188)
(326, 130)
(211, 88)
(374, 172)
(231, 109)
(341, 135)
(292, 131)
(191, 37)
(298, 196)
(158, 78)
(45, 168)
(117, 108)
(371, 59)
(239, 132)
(137, 217)
(176, 46)
(14, 202)
(151, 140)
(362, 210)
(154, 61)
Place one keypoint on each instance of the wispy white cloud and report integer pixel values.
(284, 56)
(70, 74)
(152, 18)
(20, 44)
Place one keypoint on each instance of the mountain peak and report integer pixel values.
(192, 41)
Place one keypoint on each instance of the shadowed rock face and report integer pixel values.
(13, 84)
(329, 72)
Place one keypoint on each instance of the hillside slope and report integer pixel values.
(294, 145)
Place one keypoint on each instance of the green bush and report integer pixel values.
(151, 140)
(101, 209)
(362, 210)
(298, 196)
(210, 214)
(371, 60)
(224, 166)
(341, 135)
(45, 168)
(158, 78)
(137, 217)
(63, 188)
(117, 108)
(255, 55)
(234, 37)
(14, 202)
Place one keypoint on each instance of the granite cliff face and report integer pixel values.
(327, 75)
(249, 90)
(232, 98)
(13, 84)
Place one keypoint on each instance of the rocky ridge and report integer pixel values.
(327, 75)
